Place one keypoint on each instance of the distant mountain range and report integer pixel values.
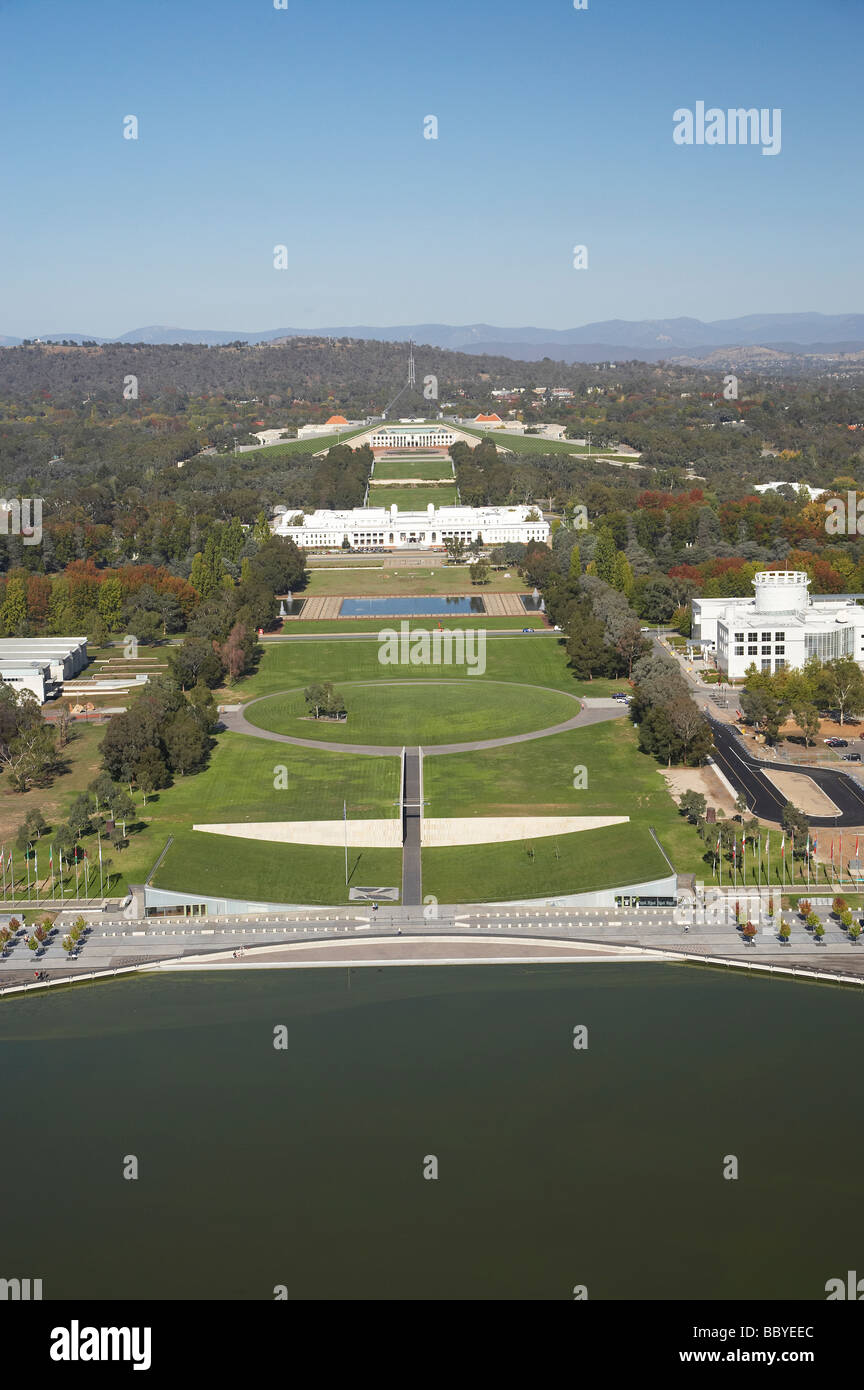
(754, 337)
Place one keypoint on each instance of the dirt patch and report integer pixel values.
(829, 728)
(699, 779)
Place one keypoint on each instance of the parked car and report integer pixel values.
(851, 757)
(836, 742)
(527, 629)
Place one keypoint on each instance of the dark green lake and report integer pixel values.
(557, 1167)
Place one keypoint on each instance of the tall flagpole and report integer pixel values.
(27, 858)
(768, 855)
(759, 862)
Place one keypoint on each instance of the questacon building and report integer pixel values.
(781, 626)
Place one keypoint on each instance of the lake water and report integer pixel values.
(556, 1166)
(408, 607)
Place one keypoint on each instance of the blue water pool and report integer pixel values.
(408, 607)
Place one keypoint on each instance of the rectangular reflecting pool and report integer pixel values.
(409, 607)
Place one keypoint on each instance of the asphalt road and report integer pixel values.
(747, 775)
(119, 942)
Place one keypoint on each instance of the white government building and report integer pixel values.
(41, 664)
(782, 625)
(382, 526)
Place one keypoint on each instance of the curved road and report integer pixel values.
(747, 775)
(237, 722)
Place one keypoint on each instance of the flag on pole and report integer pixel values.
(783, 847)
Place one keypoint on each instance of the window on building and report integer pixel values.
(766, 636)
(739, 636)
(780, 650)
(766, 651)
(739, 651)
(779, 636)
(779, 664)
(766, 665)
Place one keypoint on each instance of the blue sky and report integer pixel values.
(304, 127)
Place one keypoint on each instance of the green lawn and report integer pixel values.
(534, 444)
(412, 499)
(458, 711)
(368, 581)
(529, 660)
(303, 446)
(430, 468)
(219, 864)
(579, 863)
(238, 785)
(537, 779)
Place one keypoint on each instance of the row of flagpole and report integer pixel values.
(7, 865)
(810, 849)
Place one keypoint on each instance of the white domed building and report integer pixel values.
(781, 626)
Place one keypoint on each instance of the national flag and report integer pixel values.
(783, 848)
(832, 851)
(856, 846)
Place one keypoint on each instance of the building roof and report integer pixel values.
(336, 420)
(481, 419)
(367, 518)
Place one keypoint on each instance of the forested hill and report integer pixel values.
(306, 368)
